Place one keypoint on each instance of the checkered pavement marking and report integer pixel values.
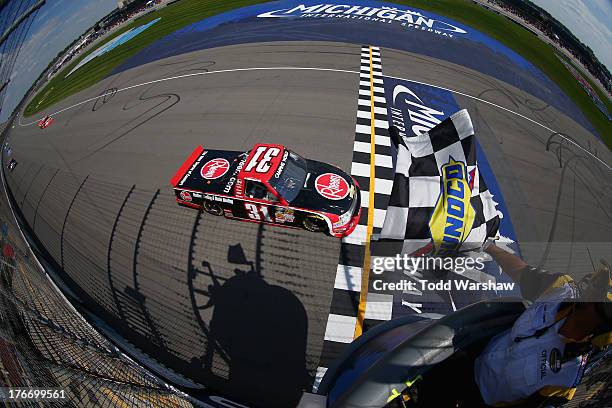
(372, 155)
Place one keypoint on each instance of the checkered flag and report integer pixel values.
(439, 199)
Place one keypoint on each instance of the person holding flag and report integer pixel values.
(440, 206)
(541, 359)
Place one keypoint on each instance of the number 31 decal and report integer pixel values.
(258, 212)
(259, 163)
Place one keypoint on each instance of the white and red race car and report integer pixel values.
(45, 122)
(270, 184)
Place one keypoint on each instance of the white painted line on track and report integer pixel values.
(383, 161)
(360, 169)
(363, 147)
(191, 75)
(318, 377)
(340, 328)
(348, 278)
(345, 71)
(365, 198)
(379, 306)
(383, 186)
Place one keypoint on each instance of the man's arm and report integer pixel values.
(533, 281)
(510, 263)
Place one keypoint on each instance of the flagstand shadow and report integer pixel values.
(260, 330)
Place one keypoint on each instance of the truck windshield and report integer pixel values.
(291, 179)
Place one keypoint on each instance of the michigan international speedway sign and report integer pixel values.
(384, 15)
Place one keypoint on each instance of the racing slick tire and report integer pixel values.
(314, 224)
(212, 208)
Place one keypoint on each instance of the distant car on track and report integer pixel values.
(12, 164)
(270, 184)
(45, 122)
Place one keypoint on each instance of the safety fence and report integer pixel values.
(45, 343)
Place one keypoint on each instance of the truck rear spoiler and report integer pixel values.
(186, 166)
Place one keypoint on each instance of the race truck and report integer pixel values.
(45, 122)
(270, 184)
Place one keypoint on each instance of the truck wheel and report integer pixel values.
(212, 208)
(314, 224)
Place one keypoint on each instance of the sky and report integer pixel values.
(59, 22)
(589, 20)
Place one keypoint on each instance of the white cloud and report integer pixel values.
(590, 21)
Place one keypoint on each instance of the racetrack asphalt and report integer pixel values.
(94, 188)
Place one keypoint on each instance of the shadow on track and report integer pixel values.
(258, 330)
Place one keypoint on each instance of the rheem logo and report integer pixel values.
(332, 186)
(185, 196)
(215, 169)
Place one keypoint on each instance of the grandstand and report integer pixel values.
(542, 24)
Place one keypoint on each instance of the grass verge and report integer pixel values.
(185, 12)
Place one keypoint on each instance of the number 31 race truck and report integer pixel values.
(270, 184)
